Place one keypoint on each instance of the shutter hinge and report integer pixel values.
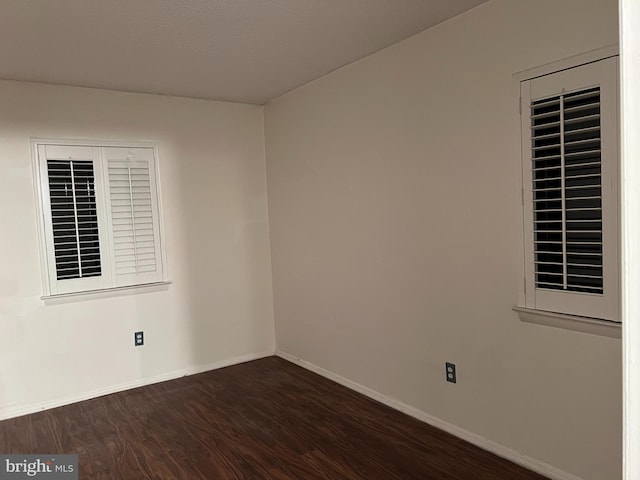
(525, 285)
(522, 196)
(520, 106)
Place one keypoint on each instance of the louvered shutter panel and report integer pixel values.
(567, 191)
(71, 181)
(133, 212)
(74, 219)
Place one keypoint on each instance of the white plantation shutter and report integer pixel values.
(74, 218)
(570, 156)
(71, 185)
(567, 191)
(133, 214)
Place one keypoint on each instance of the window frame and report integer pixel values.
(47, 259)
(527, 309)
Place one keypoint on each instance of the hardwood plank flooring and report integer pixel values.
(266, 419)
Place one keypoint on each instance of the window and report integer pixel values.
(569, 128)
(100, 217)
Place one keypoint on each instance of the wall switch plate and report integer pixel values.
(451, 372)
(138, 339)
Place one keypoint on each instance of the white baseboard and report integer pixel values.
(11, 412)
(528, 462)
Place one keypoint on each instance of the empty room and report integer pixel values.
(317, 239)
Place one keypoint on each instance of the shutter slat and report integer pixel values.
(580, 108)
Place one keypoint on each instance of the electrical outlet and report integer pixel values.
(451, 372)
(138, 339)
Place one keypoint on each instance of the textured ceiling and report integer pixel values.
(237, 50)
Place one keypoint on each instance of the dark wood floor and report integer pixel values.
(266, 419)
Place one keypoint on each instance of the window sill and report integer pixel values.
(105, 293)
(593, 326)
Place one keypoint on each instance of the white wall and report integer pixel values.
(630, 53)
(393, 203)
(219, 306)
